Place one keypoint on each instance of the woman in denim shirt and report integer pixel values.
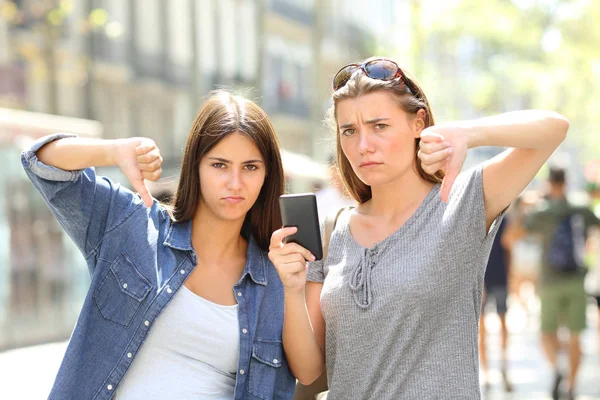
(184, 302)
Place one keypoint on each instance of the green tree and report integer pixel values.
(483, 57)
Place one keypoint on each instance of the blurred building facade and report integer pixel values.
(142, 68)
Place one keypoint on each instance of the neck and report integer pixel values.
(394, 198)
(557, 195)
(215, 239)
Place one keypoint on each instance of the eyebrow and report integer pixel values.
(369, 122)
(225, 161)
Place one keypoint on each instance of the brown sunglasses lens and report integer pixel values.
(342, 77)
(382, 70)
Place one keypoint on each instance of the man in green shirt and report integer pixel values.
(563, 228)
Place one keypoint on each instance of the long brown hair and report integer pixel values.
(408, 95)
(221, 115)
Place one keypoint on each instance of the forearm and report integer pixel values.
(304, 355)
(78, 153)
(530, 129)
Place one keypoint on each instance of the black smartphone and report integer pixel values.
(300, 210)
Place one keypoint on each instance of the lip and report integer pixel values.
(369, 164)
(234, 199)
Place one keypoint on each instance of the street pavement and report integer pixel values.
(28, 373)
(528, 370)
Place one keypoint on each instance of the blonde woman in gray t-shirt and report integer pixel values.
(394, 308)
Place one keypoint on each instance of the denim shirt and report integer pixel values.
(138, 259)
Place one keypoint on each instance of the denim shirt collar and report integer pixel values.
(180, 238)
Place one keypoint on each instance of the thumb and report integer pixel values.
(142, 189)
(429, 136)
(451, 172)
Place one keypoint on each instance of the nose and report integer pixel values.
(364, 143)
(235, 181)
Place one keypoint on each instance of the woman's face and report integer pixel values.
(231, 177)
(378, 137)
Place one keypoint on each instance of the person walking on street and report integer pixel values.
(593, 276)
(496, 287)
(563, 229)
(184, 302)
(394, 308)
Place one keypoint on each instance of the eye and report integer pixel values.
(251, 167)
(348, 132)
(380, 127)
(218, 165)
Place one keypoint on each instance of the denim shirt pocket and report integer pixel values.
(267, 358)
(121, 292)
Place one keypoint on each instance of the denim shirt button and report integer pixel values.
(129, 355)
(109, 387)
(182, 271)
(242, 372)
(147, 323)
(125, 286)
(244, 330)
(169, 290)
(239, 294)
(275, 361)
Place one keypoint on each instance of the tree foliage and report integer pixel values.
(483, 57)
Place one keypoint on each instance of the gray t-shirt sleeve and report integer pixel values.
(467, 204)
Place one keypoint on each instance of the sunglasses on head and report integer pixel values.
(381, 69)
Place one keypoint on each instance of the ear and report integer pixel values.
(418, 123)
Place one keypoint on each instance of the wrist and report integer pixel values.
(294, 295)
(473, 135)
(112, 151)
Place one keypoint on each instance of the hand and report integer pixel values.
(139, 159)
(289, 260)
(444, 148)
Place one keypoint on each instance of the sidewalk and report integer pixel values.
(528, 370)
(28, 373)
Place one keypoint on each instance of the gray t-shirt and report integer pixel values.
(402, 317)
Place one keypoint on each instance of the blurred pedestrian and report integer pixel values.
(593, 276)
(333, 196)
(525, 253)
(563, 228)
(183, 301)
(496, 288)
(395, 306)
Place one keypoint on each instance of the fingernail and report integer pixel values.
(312, 258)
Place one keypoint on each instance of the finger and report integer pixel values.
(432, 169)
(149, 157)
(430, 137)
(435, 157)
(451, 172)
(294, 268)
(278, 236)
(432, 147)
(142, 189)
(295, 262)
(287, 249)
(145, 147)
(150, 167)
(295, 248)
(152, 175)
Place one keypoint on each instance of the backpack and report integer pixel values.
(567, 245)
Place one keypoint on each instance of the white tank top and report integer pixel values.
(191, 352)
